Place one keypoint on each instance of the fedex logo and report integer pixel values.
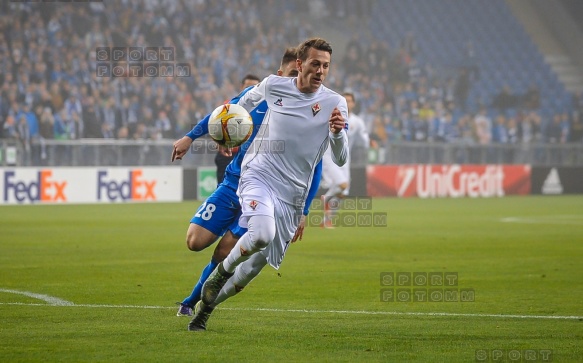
(43, 189)
(132, 188)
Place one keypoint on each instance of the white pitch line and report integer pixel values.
(353, 312)
(49, 299)
(364, 312)
(559, 219)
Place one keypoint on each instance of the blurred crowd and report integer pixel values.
(49, 87)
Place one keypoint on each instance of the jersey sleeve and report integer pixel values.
(343, 108)
(364, 135)
(255, 95)
(357, 133)
(202, 127)
(313, 188)
(339, 141)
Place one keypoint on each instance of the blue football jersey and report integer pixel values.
(233, 171)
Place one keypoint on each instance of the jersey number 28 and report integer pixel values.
(205, 211)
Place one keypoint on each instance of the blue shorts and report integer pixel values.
(220, 212)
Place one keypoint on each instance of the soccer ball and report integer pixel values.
(230, 125)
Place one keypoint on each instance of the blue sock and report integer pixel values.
(195, 295)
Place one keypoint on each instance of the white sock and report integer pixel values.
(244, 274)
(235, 257)
(334, 190)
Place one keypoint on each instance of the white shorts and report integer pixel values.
(334, 174)
(257, 198)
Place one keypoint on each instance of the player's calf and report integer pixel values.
(225, 246)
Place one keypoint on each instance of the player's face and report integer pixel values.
(289, 70)
(249, 82)
(313, 71)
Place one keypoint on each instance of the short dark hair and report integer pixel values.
(251, 77)
(291, 54)
(349, 94)
(317, 43)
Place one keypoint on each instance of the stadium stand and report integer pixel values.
(423, 71)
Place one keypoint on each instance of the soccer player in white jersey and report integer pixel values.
(303, 119)
(220, 212)
(337, 178)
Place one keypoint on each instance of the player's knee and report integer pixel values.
(199, 238)
(263, 234)
(195, 243)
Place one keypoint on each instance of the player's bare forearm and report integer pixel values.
(181, 148)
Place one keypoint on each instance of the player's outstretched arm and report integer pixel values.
(181, 148)
(202, 128)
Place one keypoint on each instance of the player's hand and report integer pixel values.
(228, 151)
(300, 230)
(225, 151)
(181, 148)
(336, 121)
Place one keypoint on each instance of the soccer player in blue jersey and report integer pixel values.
(225, 156)
(219, 214)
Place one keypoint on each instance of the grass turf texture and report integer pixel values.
(134, 254)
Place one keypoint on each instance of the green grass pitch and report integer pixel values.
(122, 268)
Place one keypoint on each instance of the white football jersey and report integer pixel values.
(293, 137)
(357, 133)
(357, 136)
(333, 174)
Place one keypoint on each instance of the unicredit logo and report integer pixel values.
(450, 181)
